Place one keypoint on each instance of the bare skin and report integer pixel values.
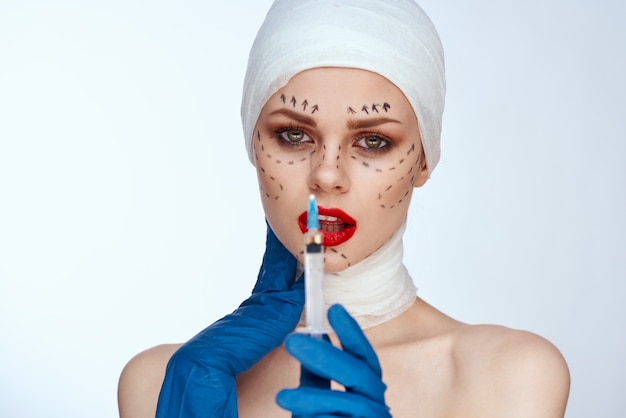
(433, 366)
(351, 137)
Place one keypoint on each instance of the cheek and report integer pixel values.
(392, 181)
(280, 180)
(276, 170)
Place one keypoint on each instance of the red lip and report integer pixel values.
(345, 224)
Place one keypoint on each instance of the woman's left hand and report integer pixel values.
(356, 367)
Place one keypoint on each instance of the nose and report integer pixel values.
(328, 172)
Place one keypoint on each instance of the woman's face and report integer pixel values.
(349, 137)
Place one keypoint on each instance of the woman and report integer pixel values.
(343, 99)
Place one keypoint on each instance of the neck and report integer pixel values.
(377, 289)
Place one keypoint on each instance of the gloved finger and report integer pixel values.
(329, 403)
(278, 269)
(352, 338)
(310, 379)
(327, 361)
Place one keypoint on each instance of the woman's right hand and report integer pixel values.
(355, 366)
(200, 380)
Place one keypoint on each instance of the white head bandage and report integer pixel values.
(393, 38)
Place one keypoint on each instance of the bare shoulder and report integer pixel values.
(517, 373)
(141, 379)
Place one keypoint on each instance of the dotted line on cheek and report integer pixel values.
(338, 152)
(261, 146)
(401, 179)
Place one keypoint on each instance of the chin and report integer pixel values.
(336, 265)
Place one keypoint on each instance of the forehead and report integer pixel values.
(345, 87)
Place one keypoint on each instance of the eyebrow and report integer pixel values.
(370, 122)
(352, 123)
(299, 117)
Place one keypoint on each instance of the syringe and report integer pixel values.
(314, 272)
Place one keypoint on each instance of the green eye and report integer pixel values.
(374, 142)
(295, 135)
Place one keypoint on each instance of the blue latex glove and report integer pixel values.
(356, 367)
(200, 380)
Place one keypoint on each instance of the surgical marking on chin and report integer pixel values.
(342, 255)
(351, 110)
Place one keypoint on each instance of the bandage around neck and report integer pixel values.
(393, 38)
(375, 290)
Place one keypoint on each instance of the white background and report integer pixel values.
(129, 213)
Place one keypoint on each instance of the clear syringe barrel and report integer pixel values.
(314, 285)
